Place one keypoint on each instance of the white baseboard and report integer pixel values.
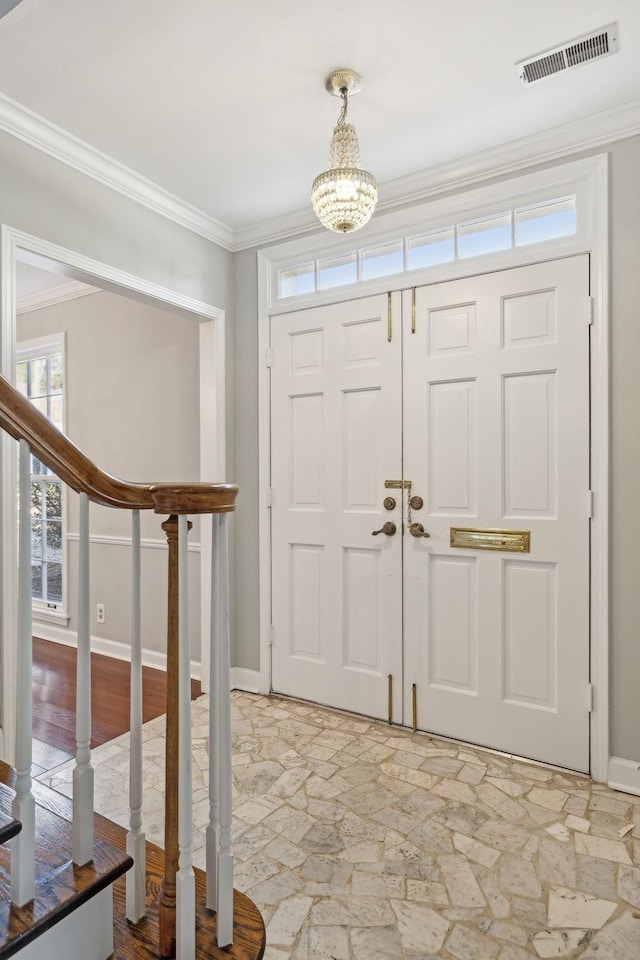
(247, 680)
(109, 648)
(624, 775)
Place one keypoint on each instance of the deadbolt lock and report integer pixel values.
(416, 503)
(389, 503)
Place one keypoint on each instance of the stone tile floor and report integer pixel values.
(360, 841)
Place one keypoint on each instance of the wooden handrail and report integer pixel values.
(20, 418)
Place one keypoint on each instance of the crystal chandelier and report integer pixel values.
(344, 196)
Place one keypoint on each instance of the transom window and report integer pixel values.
(40, 377)
(504, 230)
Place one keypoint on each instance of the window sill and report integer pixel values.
(50, 616)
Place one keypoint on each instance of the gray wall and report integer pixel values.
(132, 405)
(625, 445)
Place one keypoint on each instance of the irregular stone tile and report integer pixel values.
(556, 863)
(416, 777)
(629, 885)
(502, 835)
(289, 782)
(609, 803)
(329, 942)
(421, 803)
(596, 877)
(253, 811)
(285, 924)
(379, 943)
(352, 825)
(607, 825)
(465, 944)
(576, 804)
(397, 820)
(367, 800)
(517, 876)
(504, 931)
(511, 787)
(532, 772)
(577, 823)
(539, 815)
(474, 850)
(251, 842)
(326, 870)
(529, 913)
(276, 888)
(604, 849)
(427, 890)
(284, 852)
(362, 853)
(258, 777)
(618, 940)
(551, 799)
(442, 766)
(569, 908)
(461, 817)
(499, 905)
(559, 832)
(322, 838)
(472, 773)
(462, 913)
(512, 951)
(431, 837)
(366, 885)
(420, 927)
(460, 882)
(353, 912)
(560, 943)
(503, 805)
(253, 871)
(454, 790)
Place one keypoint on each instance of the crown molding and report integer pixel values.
(550, 145)
(48, 298)
(25, 125)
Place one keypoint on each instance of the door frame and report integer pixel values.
(17, 245)
(589, 179)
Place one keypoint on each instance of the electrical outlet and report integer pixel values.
(101, 614)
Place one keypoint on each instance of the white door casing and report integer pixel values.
(336, 437)
(496, 435)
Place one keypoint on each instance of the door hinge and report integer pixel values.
(270, 634)
(590, 697)
(269, 497)
(590, 310)
(269, 357)
(590, 504)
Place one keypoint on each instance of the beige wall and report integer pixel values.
(132, 392)
(625, 448)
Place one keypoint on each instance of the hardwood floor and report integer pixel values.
(54, 700)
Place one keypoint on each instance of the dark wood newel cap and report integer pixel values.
(194, 497)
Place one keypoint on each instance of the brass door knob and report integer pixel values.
(417, 530)
(389, 528)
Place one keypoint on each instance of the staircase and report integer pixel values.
(72, 883)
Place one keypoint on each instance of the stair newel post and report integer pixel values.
(136, 846)
(185, 881)
(82, 832)
(23, 808)
(213, 827)
(167, 908)
(223, 689)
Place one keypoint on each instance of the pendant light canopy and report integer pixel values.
(344, 196)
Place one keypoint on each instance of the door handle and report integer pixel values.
(389, 528)
(417, 530)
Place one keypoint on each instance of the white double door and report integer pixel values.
(476, 393)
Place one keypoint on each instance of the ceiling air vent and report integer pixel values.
(592, 46)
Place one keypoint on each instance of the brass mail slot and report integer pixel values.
(474, 538)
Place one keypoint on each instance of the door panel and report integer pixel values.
(336, 437)
(496, 430)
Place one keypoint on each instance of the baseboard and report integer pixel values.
(247, 680)
(109, 648)
(624, 775)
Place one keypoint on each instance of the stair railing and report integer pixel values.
(38, 437)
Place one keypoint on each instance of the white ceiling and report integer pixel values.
(223, 103)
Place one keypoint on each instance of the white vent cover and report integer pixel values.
(591, 46)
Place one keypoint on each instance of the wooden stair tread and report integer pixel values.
(9, 827)
(61, 887)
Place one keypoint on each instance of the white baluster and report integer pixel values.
(23, 807)
(82, 832)
(185, 878)
(136, 840)
(213, 828)
(225, 857)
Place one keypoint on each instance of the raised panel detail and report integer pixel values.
(361, 605)
(529, 319)
(307, 451)
(361, 343)
(530, 476)
(307, 351)
(452, 448)
(530, 634)
(306, 600)
(361, 437)
(452, 330)
(453, 624)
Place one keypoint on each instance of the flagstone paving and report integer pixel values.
(360, 841)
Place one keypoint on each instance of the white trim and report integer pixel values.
(458, 174)
(148, 543)
(14, 245)
(111, 648)
(624, 775)
(43, 615)
(589, 175)
(25, 125)
(247, 680)
(49, 298)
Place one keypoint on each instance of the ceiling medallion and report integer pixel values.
(344, 196)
